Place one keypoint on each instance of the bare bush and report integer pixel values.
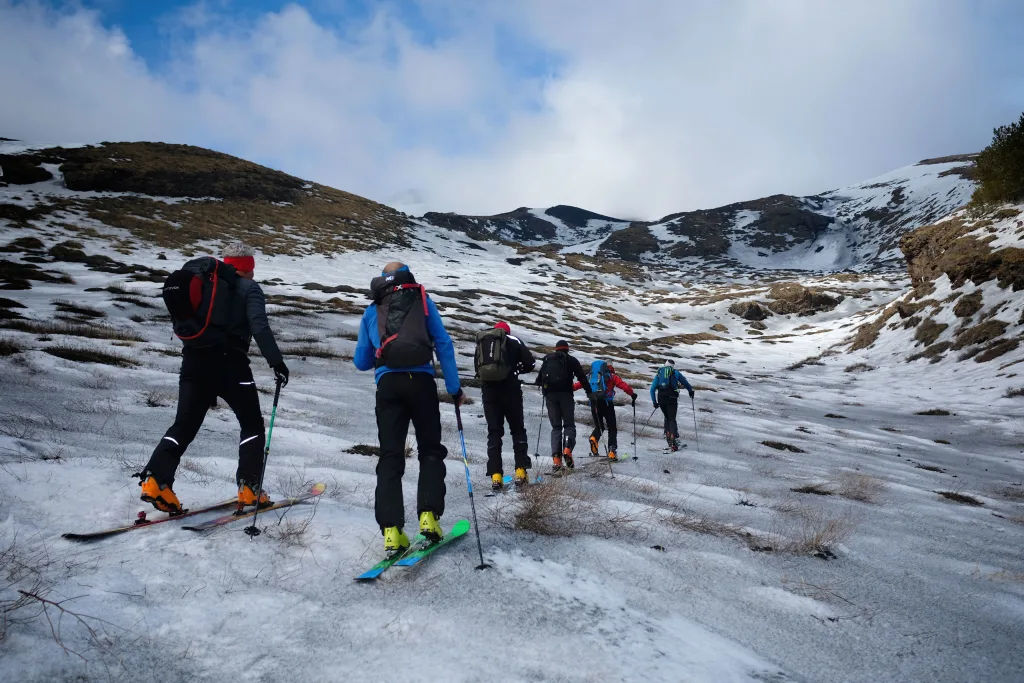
(815, 534)
(8, 347)
(561, 508)
(196, 471)
(857, 486)
(158, 398)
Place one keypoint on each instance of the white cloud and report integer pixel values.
(654, 107)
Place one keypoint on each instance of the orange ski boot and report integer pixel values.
(161, 497)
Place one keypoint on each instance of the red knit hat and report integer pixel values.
(241, 263)
(503, 326)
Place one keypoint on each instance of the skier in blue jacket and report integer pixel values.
(397, 338)
(665, 394)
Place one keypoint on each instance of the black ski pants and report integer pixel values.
(603, 413)
(668, 399)
(205, 375)
(562, 416)
(404, 397)
(504, 403)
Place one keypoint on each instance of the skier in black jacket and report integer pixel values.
(503, 399)
(556, 375)
(222, 370)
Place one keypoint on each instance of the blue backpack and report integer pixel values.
(667, 378)
(600, 380)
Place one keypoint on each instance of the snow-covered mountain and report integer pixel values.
(558, 225)
(856, 227)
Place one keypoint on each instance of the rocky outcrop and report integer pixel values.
(961, 248)
(792, 298)
(972, 252)
(749, 310)
(629, 244)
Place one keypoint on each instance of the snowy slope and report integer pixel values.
(708, 565)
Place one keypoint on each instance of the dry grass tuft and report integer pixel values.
(961, 498)
(71, 329)
(364, 449)
(857, 486)
(78, 354)
(159, 398)
(859, 367)
(82, 311)
(312, 351)
(8, 347)
(556, 508)
(562, 507)
(780, 446)
(816, 534)
(934, 411)
(816, 489)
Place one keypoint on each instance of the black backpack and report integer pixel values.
(492, 355)
(554, 370)
(198, 297)
(401, 321)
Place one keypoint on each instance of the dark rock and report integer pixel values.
(22, 170)
(749, 310)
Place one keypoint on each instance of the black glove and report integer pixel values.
(634, 399)
(656, 406)
(459, 398)
(281, 373)
(691, 393)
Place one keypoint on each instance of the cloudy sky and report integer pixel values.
(633, 108)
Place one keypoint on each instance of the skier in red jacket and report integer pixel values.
(603, 412)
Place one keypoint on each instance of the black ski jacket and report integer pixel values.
(247, 319)
(575, 370)
(520, 360)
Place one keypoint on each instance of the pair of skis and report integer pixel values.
(143, 521)
(419, 549)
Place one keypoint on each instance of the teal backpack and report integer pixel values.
(667, 378)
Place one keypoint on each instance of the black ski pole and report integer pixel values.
(253, 530)
(695, 437)
(536, 450)
(634, 431)
(469, 488)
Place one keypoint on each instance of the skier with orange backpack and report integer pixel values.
(216, 309)
(603, 382)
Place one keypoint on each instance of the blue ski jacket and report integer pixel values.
(679, 380)
(369, 342)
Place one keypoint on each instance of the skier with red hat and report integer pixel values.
(499, 360)
(215, 362)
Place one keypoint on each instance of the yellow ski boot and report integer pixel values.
(395, 541)
(496, 479)
(521, 476)
(430, 527)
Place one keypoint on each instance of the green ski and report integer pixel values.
(376, 570)
(458, 531)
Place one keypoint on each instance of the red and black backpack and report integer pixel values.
(401, 321)
(197, 296)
